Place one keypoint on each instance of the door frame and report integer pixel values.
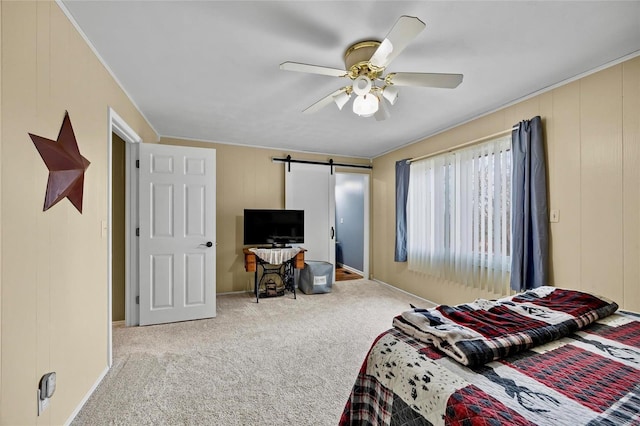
(367, 227)
(115, 124)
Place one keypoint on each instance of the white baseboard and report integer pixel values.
(350, 269)
(87, 396)
(120, 323)
(234, 292)
(405, 292)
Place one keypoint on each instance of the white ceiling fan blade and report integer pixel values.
(323, 102)
(313, 69)
(403, 32)
(445, 81)
(383, 110)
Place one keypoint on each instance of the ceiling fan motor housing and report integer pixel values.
(356, 59)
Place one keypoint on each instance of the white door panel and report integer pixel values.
(177, 221)
(311, 187)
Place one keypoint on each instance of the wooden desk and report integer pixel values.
(251, 262)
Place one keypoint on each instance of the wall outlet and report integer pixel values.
(46, 389)
(42, 403)
(554, 216)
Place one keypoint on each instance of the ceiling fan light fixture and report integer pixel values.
(366, 105)
(362, 85)
(390, 93)
(341, 99)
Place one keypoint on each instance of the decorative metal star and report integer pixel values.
(66, 166)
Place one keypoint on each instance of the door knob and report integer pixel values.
(209, 244)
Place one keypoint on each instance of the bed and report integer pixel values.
(548, 356)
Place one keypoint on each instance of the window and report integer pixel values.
(458, 215)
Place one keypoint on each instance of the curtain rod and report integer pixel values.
(331, 163)
(466, 144)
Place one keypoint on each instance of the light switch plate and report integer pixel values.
(554, 216)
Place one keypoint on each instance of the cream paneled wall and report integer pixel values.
(246, 178)
(1, 224)
(53, 264)
(592, 131)
(631, 182)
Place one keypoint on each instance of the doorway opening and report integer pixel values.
(352, 226)
(117, 126)
(118, 241)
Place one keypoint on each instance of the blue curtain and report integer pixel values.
(529, 208)
(402, 189)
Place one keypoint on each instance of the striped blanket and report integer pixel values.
(483, 331)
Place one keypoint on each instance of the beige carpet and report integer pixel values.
(281, 361)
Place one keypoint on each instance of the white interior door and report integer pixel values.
(177, 243)
(311, 187)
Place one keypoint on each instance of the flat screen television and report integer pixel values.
(276, 228)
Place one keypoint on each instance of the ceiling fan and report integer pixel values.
(365, 64)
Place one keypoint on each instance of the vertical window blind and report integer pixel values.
(458, 215)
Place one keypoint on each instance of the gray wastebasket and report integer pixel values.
(316, 277)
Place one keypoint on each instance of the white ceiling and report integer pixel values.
(210, 70)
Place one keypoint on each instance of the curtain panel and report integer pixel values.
(402, 189)
(458, 215)
(530, 211)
